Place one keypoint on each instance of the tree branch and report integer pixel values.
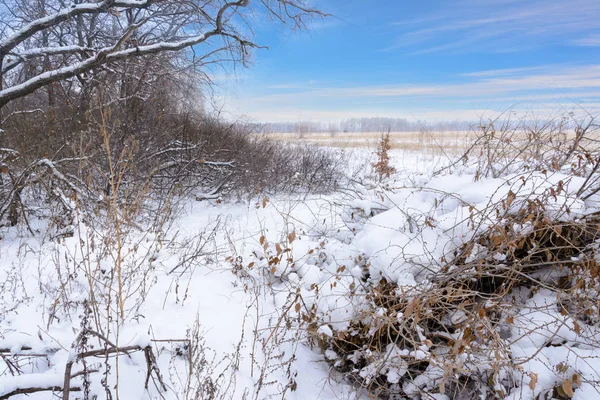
(67, 13)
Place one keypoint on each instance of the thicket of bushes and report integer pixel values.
(158, 143)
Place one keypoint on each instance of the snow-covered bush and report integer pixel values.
(482, 283)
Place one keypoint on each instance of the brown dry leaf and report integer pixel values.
(510, 199)
(264, 202)
(297, 307)
(563, 312)
(292, 237)
(273, 270)
(577, 379)
(468, 249)
(278, 249)
(533, 381)
(497, 240)
(468, 336)
(562, 367)
(410, 308)
(567, 386)
(251, 264)
(262, 240)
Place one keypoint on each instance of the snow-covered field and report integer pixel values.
(221, 295)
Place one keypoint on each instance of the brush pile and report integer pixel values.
(500, 303)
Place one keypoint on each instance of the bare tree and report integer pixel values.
(108, 80)
(46, 41)
(333, 129)
(302, 128)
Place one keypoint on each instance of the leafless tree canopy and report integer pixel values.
(47, 41)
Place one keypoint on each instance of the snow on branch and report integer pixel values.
(20, 57)
(33, 383)
(127, 29)
(42, 382)
(46, 22)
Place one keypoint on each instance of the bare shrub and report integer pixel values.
(525, 271)
(168, 153)
(382, 166)
(452, 335)
(503, 145)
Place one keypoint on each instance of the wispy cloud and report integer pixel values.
(287, 115)
(292, 85)
(573, 80)
(589, 41)
(504, 72)
(500, 25)
(495, 89)
(438, 56)
(424, 114)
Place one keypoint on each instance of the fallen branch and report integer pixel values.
(35, 390)
(46, 382)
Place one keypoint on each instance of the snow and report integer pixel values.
(340, 239)
(325, 330)
(29, 381)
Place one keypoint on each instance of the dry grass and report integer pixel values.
(401, 140)
(452, 143)
(447, 143)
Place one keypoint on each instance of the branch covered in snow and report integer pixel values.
(94, 34)
(28, 384)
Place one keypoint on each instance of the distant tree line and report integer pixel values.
(365, 124)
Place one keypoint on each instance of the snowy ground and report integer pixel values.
(234, 273)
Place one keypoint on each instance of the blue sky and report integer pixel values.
(432, 60)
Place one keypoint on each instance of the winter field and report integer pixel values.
(160, 240)
(426, 141)
(432, 141)
(450, 279)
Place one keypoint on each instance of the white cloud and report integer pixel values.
(589, 41)
(429, 115)
(486, 83)
(287, 115)
(501, 25)
(481, 90)
(503, 72)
